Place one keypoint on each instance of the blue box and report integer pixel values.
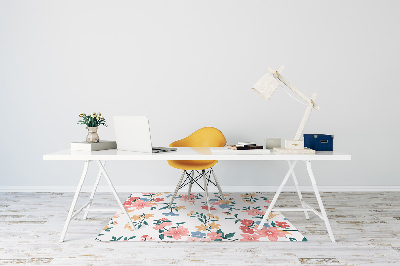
(318, 142)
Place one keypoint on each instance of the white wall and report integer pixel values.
(189, 64)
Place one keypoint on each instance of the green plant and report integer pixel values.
(93, 120)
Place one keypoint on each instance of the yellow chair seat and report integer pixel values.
(191, 164)
(204, 137)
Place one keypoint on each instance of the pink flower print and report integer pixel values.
(246, 229)
(158, 227)
(146, 238)
(158, 199)
(254, 212)
(128, 202)
(247, 237)
(206, 208)
(187, 198)
(282, 224)
(246, 222)
(177, 233)
(183, 198)
(216, 203)
(162, 225)
(140, 204)
(214, 235)
(271, 232)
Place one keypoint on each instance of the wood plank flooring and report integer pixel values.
(366, 226)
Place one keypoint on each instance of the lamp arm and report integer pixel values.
(305, 117)
(293, 88)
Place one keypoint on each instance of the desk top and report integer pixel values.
(186, 153)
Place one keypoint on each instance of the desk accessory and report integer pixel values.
(266, 86)
(92, 123)
(319, 142)
(271, 143)
(240, 148)
(245, 146)
(98, 146)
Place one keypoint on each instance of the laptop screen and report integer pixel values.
(132, 133)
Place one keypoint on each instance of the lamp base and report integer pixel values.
(293, 151)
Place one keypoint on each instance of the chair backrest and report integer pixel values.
(204, 137)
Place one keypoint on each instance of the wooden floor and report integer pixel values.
(366, 226)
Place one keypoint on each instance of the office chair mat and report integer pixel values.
(188, 219)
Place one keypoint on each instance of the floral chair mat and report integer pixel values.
(188, 219)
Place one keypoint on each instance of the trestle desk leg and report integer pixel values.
(93, 192)
(121, 206)
(299, 192)
(276, 195)
(71, 210)
(321, 205)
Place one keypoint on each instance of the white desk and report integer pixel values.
(194, 154)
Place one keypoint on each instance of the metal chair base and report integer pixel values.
(191, 179)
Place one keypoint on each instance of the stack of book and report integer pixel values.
(98, 146)
(245, 146)
(240, 148)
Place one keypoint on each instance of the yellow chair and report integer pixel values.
(204, 137)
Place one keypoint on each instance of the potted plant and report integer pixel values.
(92, 123)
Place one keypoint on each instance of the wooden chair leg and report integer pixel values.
(190, 184)
(177, 188)
(206, 190)
(218, 186)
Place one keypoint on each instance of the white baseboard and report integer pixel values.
(195, 189)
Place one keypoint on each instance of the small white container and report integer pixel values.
(294, 144)
(271, 143)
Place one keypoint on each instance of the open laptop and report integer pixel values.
(133, 134)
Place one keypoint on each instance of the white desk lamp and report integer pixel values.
(266, 86)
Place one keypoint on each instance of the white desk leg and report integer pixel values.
(71, 210)
(116, 195)
(276, 195)
(93, 192)
(298, 191)
(321, 205)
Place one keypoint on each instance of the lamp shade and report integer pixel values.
(266, 86)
